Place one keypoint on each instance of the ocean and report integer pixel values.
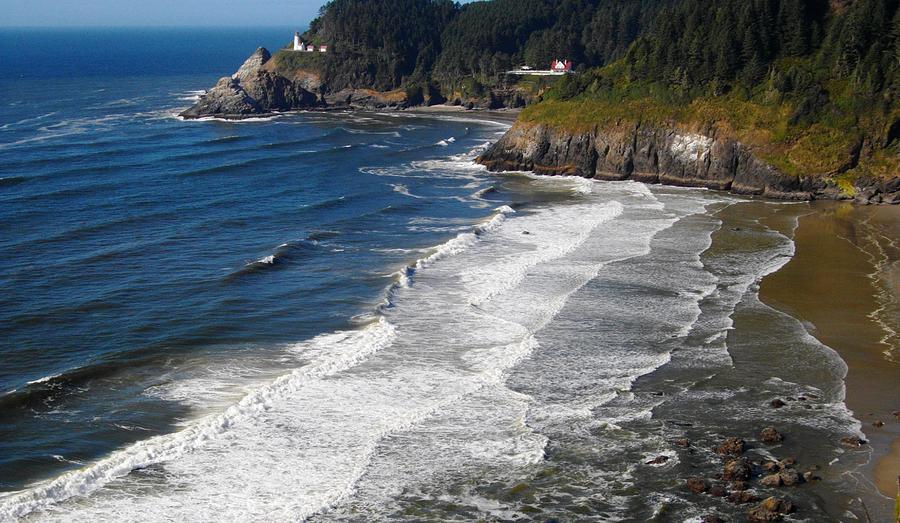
(341, 317)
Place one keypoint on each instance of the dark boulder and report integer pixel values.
(771, 509)
(852, 442)
(770, 435)
(718, 491)
(771, 481)
(731, 447)
(697, 485)
(736, 470)
(790, 477)
(659, 460)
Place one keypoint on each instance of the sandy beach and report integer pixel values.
(843, 284)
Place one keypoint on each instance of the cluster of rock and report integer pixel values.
(738, 474)
(654, 154)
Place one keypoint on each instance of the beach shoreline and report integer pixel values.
(836, 284)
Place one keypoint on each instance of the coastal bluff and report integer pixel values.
(252, 91)
(668, 155)
(267, 84)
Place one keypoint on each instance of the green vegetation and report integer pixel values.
(380, 44)
(285, 62)
(386, 44)
(809, 84)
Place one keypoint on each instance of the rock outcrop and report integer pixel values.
(667, 155)
(252, 91)
(260, 87)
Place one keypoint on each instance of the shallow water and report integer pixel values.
(340, 317)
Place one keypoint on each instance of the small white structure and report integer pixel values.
(557, 68)
(298, 44)
(306, 48)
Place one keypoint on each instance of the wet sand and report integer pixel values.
(844, 283)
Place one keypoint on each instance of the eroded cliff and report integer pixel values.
(667, 155)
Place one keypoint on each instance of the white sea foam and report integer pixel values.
(404, 190)
(26, 120)
(43, 380)
(326, 355)
(455, 246)
(423, 391)
(254, 119)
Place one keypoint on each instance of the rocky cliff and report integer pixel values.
(253, 90)
(654, 154)
(263, 86)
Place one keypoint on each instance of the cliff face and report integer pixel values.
(261, 87)
(251, 91)
(654, 154)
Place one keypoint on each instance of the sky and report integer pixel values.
(55, 13)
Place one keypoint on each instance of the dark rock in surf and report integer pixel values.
(777, 403)
(853, 442)
(770, 435)
(697, 485)
(659, 460)
(771, 509)
(736, 470)
(718, 491)
(771, 481)
(731, 447)
(790, 477)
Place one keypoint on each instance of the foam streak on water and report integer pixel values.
(301, 445)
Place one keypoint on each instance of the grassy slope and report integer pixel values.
(287, 62)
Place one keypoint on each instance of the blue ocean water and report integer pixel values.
(134, 241)
(339, 316)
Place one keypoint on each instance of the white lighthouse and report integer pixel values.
(298, 45)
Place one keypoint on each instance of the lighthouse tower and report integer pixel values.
(298, 45)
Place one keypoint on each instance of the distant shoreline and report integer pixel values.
(507, 115)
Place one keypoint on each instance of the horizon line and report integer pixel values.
(152, 26)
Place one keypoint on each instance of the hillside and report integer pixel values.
(813, 87)
(809, 87)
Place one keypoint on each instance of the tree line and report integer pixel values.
(687, 47)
